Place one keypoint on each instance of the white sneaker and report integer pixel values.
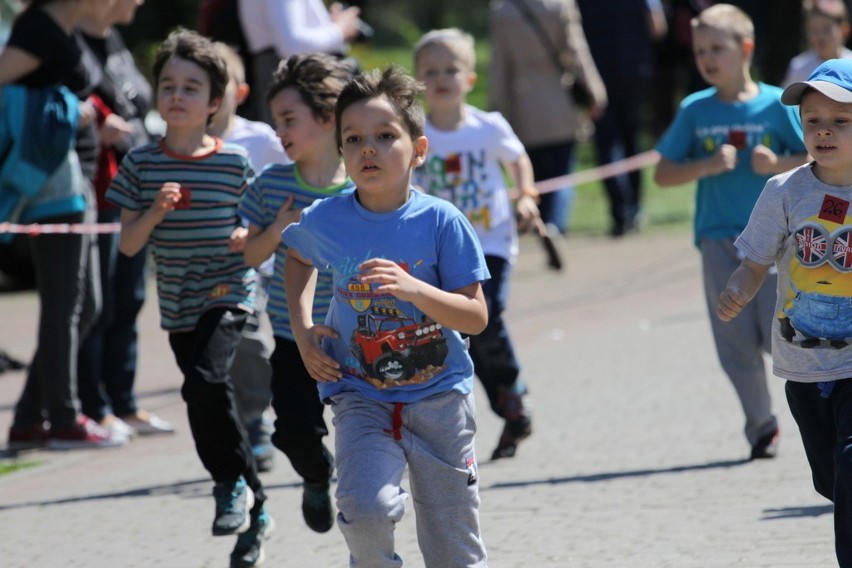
(149, 424)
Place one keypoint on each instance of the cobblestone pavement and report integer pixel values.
(637, 459)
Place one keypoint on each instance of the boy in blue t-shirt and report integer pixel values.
(390, 359)
(731, 138)
(181, 194)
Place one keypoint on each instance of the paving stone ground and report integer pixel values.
(637, 459)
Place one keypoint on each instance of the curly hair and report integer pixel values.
(317, 77)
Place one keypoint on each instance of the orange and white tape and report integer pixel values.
(60, 228)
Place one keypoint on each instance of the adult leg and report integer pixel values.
(370, 467)
(548, 162)
(204, 355)
(740, 343)
(444, 480)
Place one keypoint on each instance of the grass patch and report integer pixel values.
(10, 466)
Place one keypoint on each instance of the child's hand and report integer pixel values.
(390, 277)
(319, 365)
(731, 303)
(88, 113)
(286, 215)
(527, 213)
(724, 160)
(763, 160)
(114, 130)
(239, 237)
(166, 200)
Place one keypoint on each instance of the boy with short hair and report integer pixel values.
(302, 95)
(730, 138)
(251, 372)
(181, 194)
(802, 224)
(469, 151)
(826, 29)
(390, 360)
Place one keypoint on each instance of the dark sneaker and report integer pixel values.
(316, 507)
(234, 500)
(85, 434)
(31, 438)
(248, 551)
(513, 432)
(767, 446)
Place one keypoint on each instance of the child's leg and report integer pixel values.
(741, 343)
(370, 466)
(495, 364)
(204, 355)
(299, 424)
(444, 480)
(825, 423)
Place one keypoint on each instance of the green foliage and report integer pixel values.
(9, 466)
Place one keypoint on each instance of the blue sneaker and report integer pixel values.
(234, 500)
(248, 551)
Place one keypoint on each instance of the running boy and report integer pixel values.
(802, 225)
(391, 360)
(730, 138)
(181, 193)
(468, 151)
(302, 95)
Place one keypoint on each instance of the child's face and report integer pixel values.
(827, 126)
(719, 56)
(825, 35)
(378, 150)
(447, 78)
(302, 134)
(183, 94)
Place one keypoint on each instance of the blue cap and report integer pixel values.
(833, 79)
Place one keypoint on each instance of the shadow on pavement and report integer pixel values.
(800, 511)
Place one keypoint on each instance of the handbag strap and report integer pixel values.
(546, 42)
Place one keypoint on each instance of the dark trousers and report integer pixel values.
(299, 423)
(548, 162)
(107, 363)
(204, 355)
(493, 356)
(825, 424)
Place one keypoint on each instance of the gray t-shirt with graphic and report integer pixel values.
(805, 227)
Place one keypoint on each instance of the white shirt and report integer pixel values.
(289, 27)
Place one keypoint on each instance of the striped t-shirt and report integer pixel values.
(265, 196)
(195, 271)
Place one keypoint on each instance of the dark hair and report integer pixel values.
(318, 78)
(399, 88)
(192, 46)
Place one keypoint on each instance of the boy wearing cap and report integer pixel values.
(731, 138)
(802, 225)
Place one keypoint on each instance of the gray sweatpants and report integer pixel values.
(741, 343)
(373, 443)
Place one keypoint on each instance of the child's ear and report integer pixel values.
(471, 80)
(748, 46)
(421, 147)
(844, 31)
(243, 91)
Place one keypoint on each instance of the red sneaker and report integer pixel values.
(30, 438)
(84, 434)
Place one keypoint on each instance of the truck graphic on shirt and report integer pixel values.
(392, 346)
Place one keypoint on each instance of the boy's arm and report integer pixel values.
(300, 278)
(463, 310)
(264, 242)
(524, 178)
(136, 226)
(669, 172)
(741, 288)
(766, 162)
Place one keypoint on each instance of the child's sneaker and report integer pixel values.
(234, 500)
(85, 434)
(31, 438)
(518, 415)
(316, 507)
(248, 551)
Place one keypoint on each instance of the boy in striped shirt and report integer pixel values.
(181, 195)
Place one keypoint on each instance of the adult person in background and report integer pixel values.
(107, 361)
(621, 36)
(277, 29)
(528, 87)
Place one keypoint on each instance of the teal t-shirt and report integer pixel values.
(703, 123)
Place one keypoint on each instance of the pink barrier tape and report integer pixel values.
(60, 228)
(636, 162)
